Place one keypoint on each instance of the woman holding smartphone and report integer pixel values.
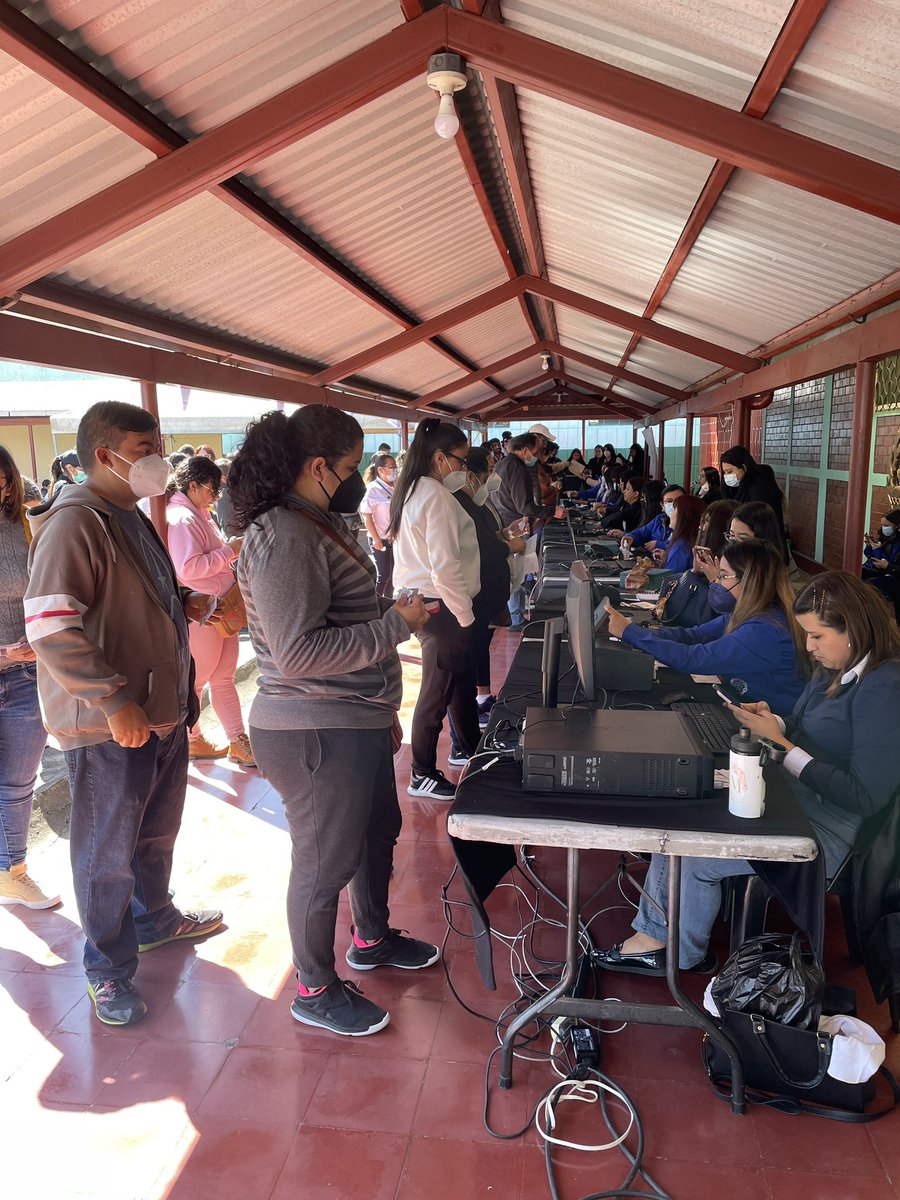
(330, 686)
(436, 552)
(836, 760)
(758, 649)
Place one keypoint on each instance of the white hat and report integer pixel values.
(543, 432)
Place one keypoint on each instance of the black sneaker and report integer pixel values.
(457, 756)
(342, 1008)
(116, 1001)
(485, 704)
(434, 784)
(395, 950)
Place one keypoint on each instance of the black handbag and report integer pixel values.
(685, 602)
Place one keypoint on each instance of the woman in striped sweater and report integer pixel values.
(329, 688)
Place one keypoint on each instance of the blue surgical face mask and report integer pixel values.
(669, 508)
(721, 599)
(888, 530)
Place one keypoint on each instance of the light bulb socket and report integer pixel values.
(446, 73)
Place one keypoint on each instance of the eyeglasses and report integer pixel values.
(722, 576)
(463, 462)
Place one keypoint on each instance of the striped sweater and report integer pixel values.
(327, 657)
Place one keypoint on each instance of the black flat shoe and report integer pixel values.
(707, 966)
(651, 962)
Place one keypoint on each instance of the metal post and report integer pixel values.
(688, 451)
(661, 450)
(740, 422)
(584, 439)
(157, 503)
(34, 466)
(404, 435)
(858, 485)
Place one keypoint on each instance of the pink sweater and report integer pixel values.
(202, 560)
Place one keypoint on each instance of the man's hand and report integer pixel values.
(413, 612)
(196, 606)
(22, 653)
(617, 623)
(129, 726)
(516, 545)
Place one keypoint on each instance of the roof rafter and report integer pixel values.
(51, 60)
(792, 37)
(675, 116)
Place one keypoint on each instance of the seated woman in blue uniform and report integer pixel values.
(882, 555)
(684, 525)
(655, 534)
(757, 649)
(841, 762)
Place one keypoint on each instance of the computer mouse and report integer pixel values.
(674, 698)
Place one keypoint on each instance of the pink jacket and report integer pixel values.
(202, 560)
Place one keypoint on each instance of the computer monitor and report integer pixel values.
(580, 627)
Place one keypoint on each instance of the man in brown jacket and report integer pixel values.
(108, 623)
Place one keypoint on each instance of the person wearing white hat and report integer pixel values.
(542, 431)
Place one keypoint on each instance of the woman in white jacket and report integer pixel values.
(436, 552)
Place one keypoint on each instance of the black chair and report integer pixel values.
(868, 884)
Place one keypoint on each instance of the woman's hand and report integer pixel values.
(705, 564)
(618, 534)
(377, 544)
(760, 719)
(196, 606)
(516, 545)
(617, 623)
(235, 543)
(659, 556)
(880, 564)
(413, 612)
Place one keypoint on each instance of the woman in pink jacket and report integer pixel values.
(203, 561)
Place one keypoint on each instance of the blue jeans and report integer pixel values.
(701, 898)
(516, 606)
(126, 813)
(22, 741)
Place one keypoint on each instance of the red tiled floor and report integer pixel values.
(219, 1094)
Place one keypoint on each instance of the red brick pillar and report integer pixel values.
(860, 449)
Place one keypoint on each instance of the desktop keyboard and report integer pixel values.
(713, 724)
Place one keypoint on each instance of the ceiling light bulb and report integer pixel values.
(446, 123)
(545, 360)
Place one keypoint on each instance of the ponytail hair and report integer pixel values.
(431, 435)
(379, 461)
(276, 449)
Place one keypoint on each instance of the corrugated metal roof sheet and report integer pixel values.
(668, 365)
(53, 151)
(845, 87)
(771, 256)
(714, 49)
(419, 369)
(584, 333)
(205, 61)
(493, 336)
(612, 200)
(380, 188)
(204, 262)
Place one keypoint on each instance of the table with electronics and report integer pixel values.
(492, 814)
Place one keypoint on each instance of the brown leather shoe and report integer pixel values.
(240, 751)
(200, 747)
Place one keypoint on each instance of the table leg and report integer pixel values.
(697, 1013)
(569, 974)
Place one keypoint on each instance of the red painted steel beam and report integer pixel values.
(651, 329)
(300, 110)
(686, 120)
(412, 337)
(688, 453)
(59, 303)
(877, 338)
(860, 448)
(794, 33)
(494, 368)
(498, 401)
(55, 346)
(599, 364)
(504, 107)
(55, 62)
(608, 393)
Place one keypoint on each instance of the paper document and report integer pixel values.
(705, 678)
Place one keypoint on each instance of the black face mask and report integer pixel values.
(347, 495)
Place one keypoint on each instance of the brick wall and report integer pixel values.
(835, 515)
(804, 506)
(778, 419)
(809, 401)
(841, 420)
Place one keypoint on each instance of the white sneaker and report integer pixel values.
(17, 887)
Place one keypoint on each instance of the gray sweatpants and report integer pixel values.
(340, 799)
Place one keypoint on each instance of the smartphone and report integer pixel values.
(703, 553)
(728, 694)
(406, 594)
